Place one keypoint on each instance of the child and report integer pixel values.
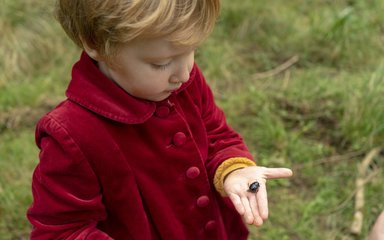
(139, 150)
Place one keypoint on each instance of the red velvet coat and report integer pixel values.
(113, 166)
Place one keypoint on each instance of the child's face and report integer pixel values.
(150, 69)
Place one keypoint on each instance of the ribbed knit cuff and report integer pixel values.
(227, 167)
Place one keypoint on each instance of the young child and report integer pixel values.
(139, 150)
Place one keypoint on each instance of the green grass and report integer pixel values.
(328, 104)
(18, 154)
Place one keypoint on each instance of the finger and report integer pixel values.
(248, 216)
(257, 220)
(271, 173)
(237, 203)
(262, 201)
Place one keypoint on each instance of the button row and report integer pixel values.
(179, 139)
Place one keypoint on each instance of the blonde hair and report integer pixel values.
(104, 25)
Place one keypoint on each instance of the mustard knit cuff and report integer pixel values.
(227, 167)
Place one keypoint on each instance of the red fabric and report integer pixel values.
(116, 167)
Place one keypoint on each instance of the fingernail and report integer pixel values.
(258, 221)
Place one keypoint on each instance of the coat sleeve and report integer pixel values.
(67, 203)
(223, 142)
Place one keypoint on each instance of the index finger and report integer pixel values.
(272, 173)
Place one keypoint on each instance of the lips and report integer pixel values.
(174, 89)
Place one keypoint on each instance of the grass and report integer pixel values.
(19, 154)
(320, 117)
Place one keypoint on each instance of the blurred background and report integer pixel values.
(302, 81)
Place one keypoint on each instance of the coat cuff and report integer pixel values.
(227, 167)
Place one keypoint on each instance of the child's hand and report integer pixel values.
(252, 206)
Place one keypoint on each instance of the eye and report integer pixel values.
(161, 66)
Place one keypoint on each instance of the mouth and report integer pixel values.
(172, 90)
(176, 88)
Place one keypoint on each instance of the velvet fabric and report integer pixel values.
(116, 167)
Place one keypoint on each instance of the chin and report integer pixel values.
(160, 98)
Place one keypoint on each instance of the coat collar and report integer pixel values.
(93, 90)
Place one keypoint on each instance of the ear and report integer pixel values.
(93, 53)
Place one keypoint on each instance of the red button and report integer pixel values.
(162, 111)
(179, 139)
(193, 172)
(202, 201)
(211, 225)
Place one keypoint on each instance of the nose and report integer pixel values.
(181, 75)
(184, 74)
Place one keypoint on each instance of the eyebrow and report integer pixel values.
(168, 57)
(159, 58)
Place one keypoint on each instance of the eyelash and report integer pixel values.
(160, 67)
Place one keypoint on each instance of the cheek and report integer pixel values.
(156, 79)
(191, 63)
(153, 81)
(144, 75)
